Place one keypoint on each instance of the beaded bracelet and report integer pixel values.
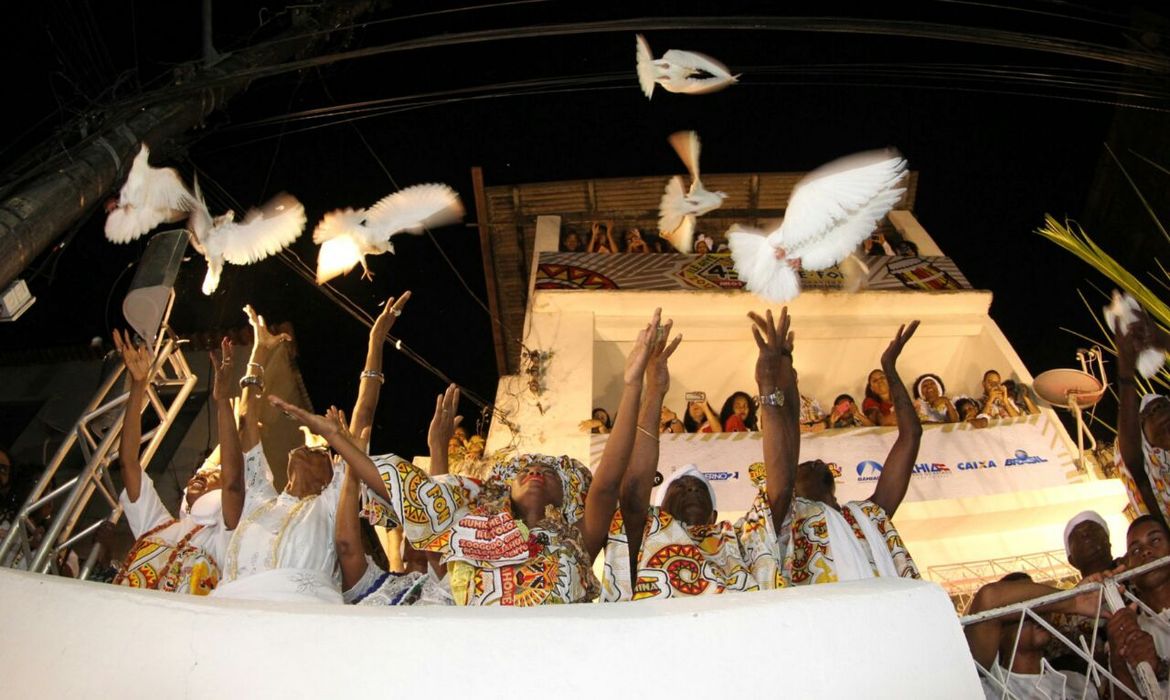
(373, 374)
(251, 380)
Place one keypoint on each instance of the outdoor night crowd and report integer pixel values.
(526, 529)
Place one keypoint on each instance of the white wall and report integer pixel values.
(877, 639)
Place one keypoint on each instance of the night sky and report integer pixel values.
(994, 154)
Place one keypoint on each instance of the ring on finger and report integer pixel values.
(396, 312)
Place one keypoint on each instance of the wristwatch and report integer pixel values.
(776, 398)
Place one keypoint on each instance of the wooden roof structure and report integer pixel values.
(507, 227)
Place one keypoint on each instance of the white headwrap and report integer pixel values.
(1085, 516)
(679, 472)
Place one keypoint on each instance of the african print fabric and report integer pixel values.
(679, 560)
(175, 555)
(809, 557)
(1157, 470)
(492, 557)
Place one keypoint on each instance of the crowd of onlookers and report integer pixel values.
(605, 237)
(999, 399)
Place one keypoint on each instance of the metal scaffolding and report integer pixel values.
(95, 436)
(963, 579)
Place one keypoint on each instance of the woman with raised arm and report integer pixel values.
(1143, 427)
(528, 535)
(830, 543)
(676, 547)
(183, 554)
(283, 547)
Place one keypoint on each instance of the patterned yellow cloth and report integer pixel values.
(492, 557)
(155, 563)
(1158, 471)
(810, 551)
(680, 560)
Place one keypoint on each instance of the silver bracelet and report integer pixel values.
(257, 365)
(251, 380)
(373, 374)
(776, 398)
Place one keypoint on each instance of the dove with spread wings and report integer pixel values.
(347, 236)
(831, 211)
(678, 209)
(154, 196)
(684, 72)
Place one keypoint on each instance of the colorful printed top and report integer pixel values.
(1158, 472)
(492, 558)
(810, 551)
(680, 560)
(177, 555)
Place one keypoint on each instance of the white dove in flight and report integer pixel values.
(152, 196)
(831, 211)
(347, 236)
(264, 231)
(678, 210)
(1123, 313)
(684, 72)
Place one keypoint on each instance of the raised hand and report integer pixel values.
(894, 349)
(775, 341)
(222, 386)
(262, 338)
(390, 313)
(137, 359)
(661, 347)
(640, 353)
(444, 421)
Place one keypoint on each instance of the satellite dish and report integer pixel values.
(1075, 390)
(1064, 388)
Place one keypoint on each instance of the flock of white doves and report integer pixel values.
(830, 212)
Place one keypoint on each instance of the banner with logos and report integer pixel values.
(954, 461)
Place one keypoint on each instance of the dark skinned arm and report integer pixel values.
(369, 385)
(781, 424)
(1129, 422)
(231, 454)
(138, 362)
(983, 638)
(605, 491)
(263, 344)
(442, 427)
(347, 533)
(899, 464)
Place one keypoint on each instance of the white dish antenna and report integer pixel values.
(1075, 390)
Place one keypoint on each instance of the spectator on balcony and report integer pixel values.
(599, 424)
(602, 242)
(931, 402)
(1019, 394)
(676, 547)
(700, 417)
(632, 241)
(16, 482)
(968, 409)
(995, 401)
(668, 422)
(703, 244)
(846, 414)
(906, 248)
(877, 244)
(878, 407)
(993, 642)
(180, 555)
(1136, 637)
(830, 543)
(738, 414)
(571, 242)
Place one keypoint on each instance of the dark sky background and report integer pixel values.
(994, 154)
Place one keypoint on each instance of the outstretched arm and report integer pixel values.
(263, 344)
(138, 362)
(639, 476)
(983, 638)
(231, 455)
(895, 478)
(781, 423)
(615, 459)
(372, 378)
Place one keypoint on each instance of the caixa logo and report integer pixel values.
(721, 476)
(1021, 458)
(868, 470)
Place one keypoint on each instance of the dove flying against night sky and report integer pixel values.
(347, 236)
(680, 71)
(678, 209)
(1122, 313)
(152, 196)
(831, 211)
